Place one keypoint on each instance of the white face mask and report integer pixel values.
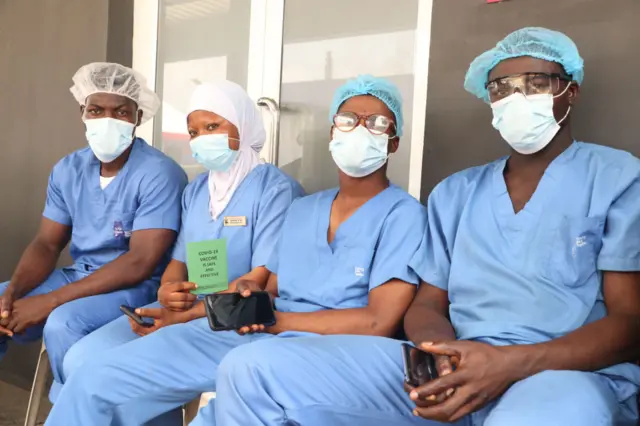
(109, 137)
(359, 153)
(527, 123)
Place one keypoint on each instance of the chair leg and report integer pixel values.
(190, 411)
(38, 388)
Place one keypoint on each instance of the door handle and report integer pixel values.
(274, 109)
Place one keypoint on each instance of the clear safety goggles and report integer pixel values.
(376, 124)
(531, 83)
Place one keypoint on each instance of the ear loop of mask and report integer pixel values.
(568, 109)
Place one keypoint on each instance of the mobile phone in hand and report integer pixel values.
(130, 312)
(231, 311)
(419, 366)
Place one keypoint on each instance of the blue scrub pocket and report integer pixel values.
(347, 279)
(574, 250)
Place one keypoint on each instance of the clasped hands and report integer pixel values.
(18, 315)
(482, 373)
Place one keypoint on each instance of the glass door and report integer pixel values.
(290, 56)
(327, 42)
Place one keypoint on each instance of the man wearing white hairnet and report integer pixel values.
(117, 202)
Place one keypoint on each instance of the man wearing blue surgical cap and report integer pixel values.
(339, 268)
(530, 294)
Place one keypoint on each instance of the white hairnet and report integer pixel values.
(230, 101)
(105, 77)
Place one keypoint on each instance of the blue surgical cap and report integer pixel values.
(381, 88)
(539, 43)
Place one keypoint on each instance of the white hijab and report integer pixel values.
(230, 101)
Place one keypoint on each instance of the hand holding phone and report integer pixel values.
(130, 312)
(422, 367)
(246, 287)
(233, 311)
(419, 366)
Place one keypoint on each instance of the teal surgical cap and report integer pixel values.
(381, 88)
(539, 43)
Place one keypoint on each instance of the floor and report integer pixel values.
(13, 405)
(16, 374)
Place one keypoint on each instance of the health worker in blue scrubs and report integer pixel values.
(530, 298)
(240, 199)
(340, 267)
(116, 202)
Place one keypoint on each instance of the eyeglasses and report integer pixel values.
(530, 83)
(376, 124)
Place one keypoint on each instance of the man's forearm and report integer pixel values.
(35, 266)
(422, 324)
(359, 321)
(609, 341)
(126, 271)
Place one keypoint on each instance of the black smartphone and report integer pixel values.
(419, 366)
(231, 311)
(130, 312)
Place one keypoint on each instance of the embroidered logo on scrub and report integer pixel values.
(359, 272)
(581, 241)
(118, 230)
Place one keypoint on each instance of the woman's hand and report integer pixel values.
(161, 318)
(176, 296)
(245, 288)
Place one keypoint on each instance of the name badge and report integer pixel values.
(235, 221)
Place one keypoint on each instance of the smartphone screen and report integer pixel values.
(419, 366)
(231, 311)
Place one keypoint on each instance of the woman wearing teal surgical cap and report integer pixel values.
(366, 114)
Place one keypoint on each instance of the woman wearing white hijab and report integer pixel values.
(239, 199)
(227, 137)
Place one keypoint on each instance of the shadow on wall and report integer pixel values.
(458, 126)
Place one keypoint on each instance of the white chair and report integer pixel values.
(190, 410)
(38, 389)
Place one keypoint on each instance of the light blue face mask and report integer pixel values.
(527, 123)
(213, 152)
(359, 153)
(108, 137)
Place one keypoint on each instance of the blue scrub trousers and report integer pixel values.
(357, 381)
(115, 377)
(70, 322)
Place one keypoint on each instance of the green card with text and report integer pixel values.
(207, 266)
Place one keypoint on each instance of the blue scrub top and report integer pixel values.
(535, 275)
(145, 194)
(262, 199)
(370, 248)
